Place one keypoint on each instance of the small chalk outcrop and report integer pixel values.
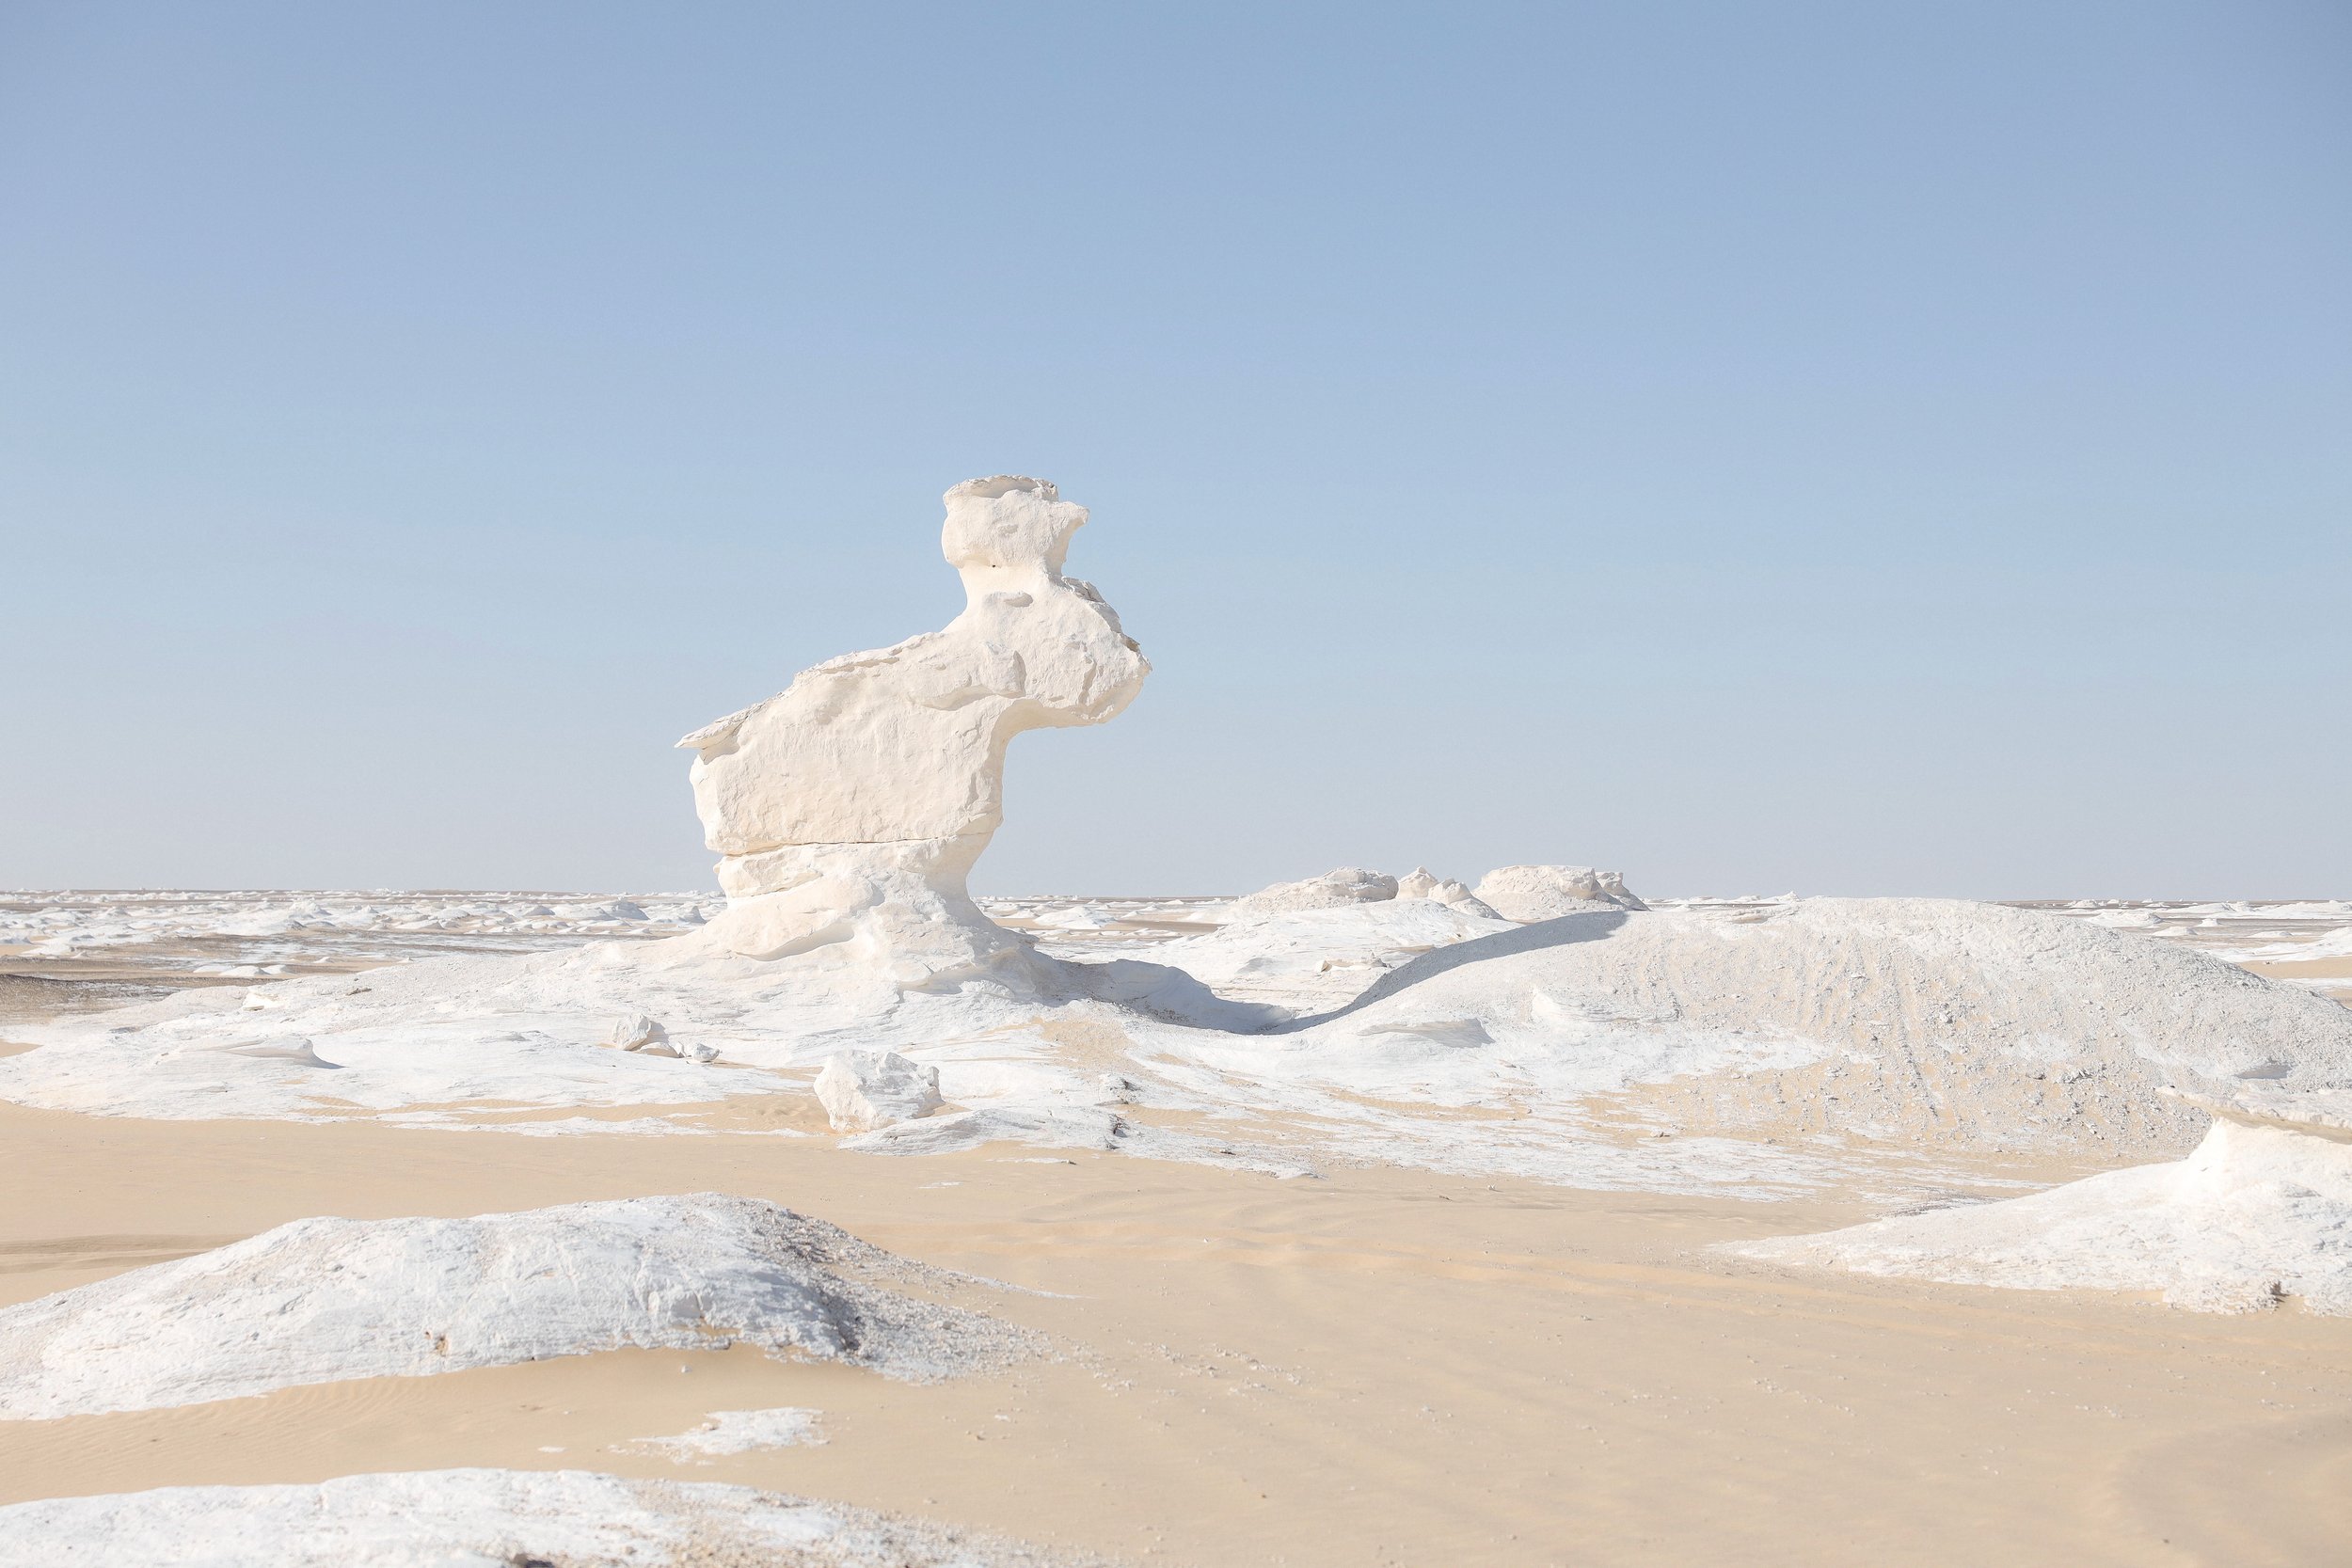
(1532, 893)
(1457, 895)
(483, 1519)
(645, 1035)
(848, 810)
(1333, 889)
(733, 1432)
(280, 1051)
(2260, 1212)
(861, 1090)
(1421, 883)
(1088, 1127)
(324, 1299)
(638, 1032)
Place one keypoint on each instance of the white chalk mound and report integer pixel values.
(1420, 882)
(1091, 1126)
(480, 1519)
(1531, 893)
(2260, 1211)
(324, 1299)
(861, 1090)
(1904, 1020)
(1349, 884)
(1456, 896)
(850, 809)
(205, 1057)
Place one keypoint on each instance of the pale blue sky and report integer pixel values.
(1853, 448)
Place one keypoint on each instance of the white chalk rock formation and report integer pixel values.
(1333, 889)
(850, 809)
(861, 1090)
(324, 1299)
(1459, 896)
(2260, 1212)
(1421, 883)
(638, 1032)
(482, 1519)
(1532, 893)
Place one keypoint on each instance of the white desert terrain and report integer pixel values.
(836, 1216)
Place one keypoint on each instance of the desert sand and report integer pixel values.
(1375, 1365)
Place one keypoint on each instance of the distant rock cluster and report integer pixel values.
(1520, 893)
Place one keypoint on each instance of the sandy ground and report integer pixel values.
(2330, 976)
(1376, 1366)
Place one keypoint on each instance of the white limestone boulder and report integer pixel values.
(1532, 893)
(861, 1090)
(640, 1032)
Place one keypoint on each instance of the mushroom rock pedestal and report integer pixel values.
(849, 808)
